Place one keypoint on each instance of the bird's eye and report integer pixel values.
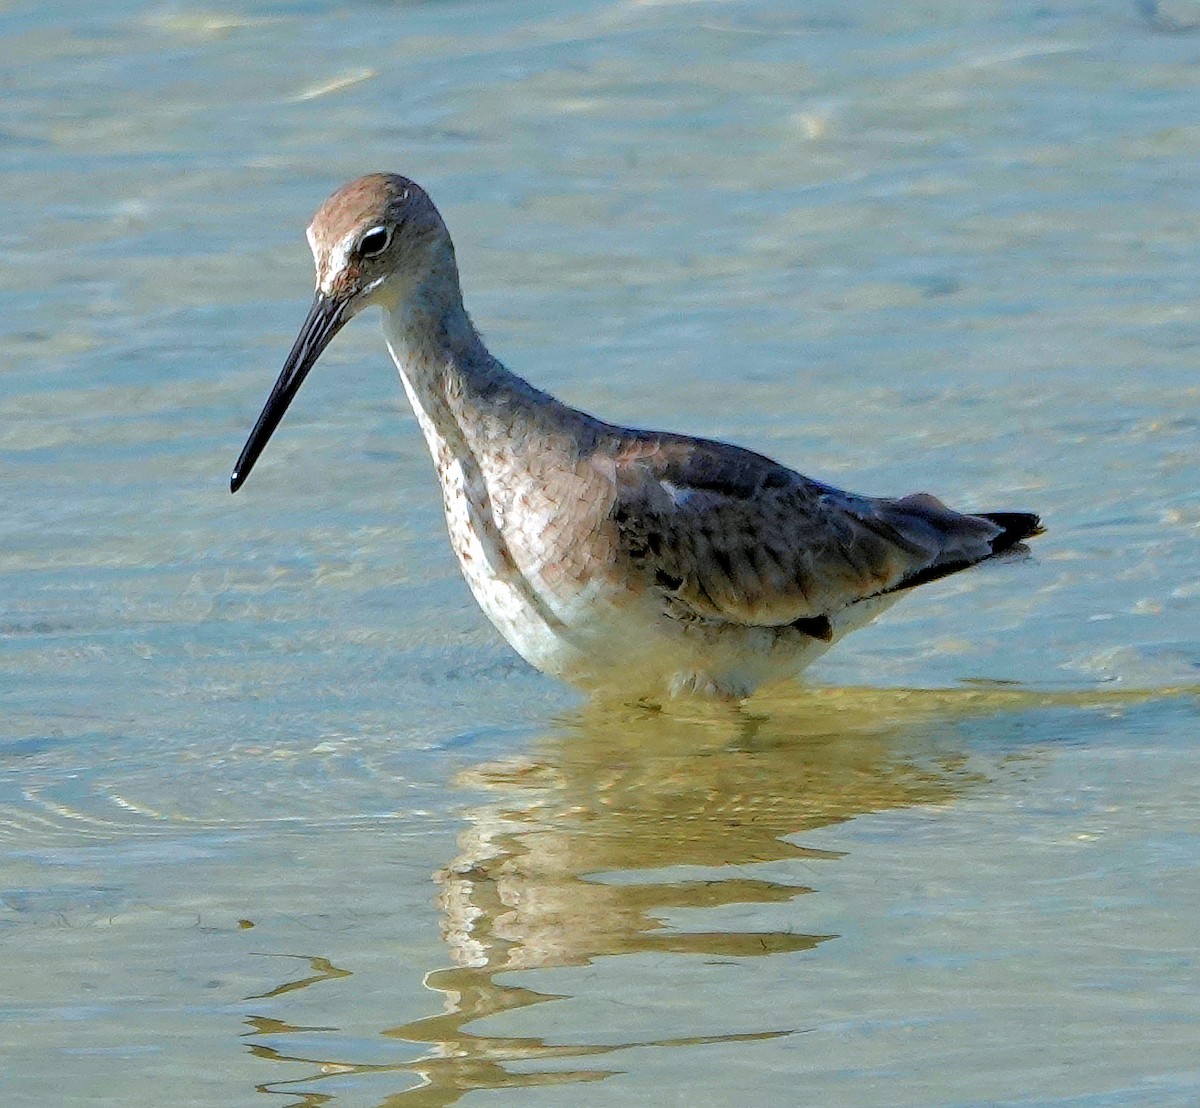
(375, 241)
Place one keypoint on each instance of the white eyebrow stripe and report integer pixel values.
(339, 258)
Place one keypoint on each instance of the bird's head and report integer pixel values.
(374, 241)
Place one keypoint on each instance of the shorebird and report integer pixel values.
(611, 557)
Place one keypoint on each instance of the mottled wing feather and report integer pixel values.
(732, 536)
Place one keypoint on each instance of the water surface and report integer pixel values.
(283, 820)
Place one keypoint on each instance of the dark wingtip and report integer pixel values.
(1018, 526)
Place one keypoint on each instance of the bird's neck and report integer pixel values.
(465, 400)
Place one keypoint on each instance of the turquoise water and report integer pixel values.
(283, 821)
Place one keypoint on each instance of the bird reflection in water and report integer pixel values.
(575, 854)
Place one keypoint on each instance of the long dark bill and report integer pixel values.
(325, 319)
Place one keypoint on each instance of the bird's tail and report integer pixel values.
(1017, 527)
(951, 540)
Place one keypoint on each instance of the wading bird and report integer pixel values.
(611, 557)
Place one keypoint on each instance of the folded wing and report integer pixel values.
(732, 536)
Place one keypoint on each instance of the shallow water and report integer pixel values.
(281, 816)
